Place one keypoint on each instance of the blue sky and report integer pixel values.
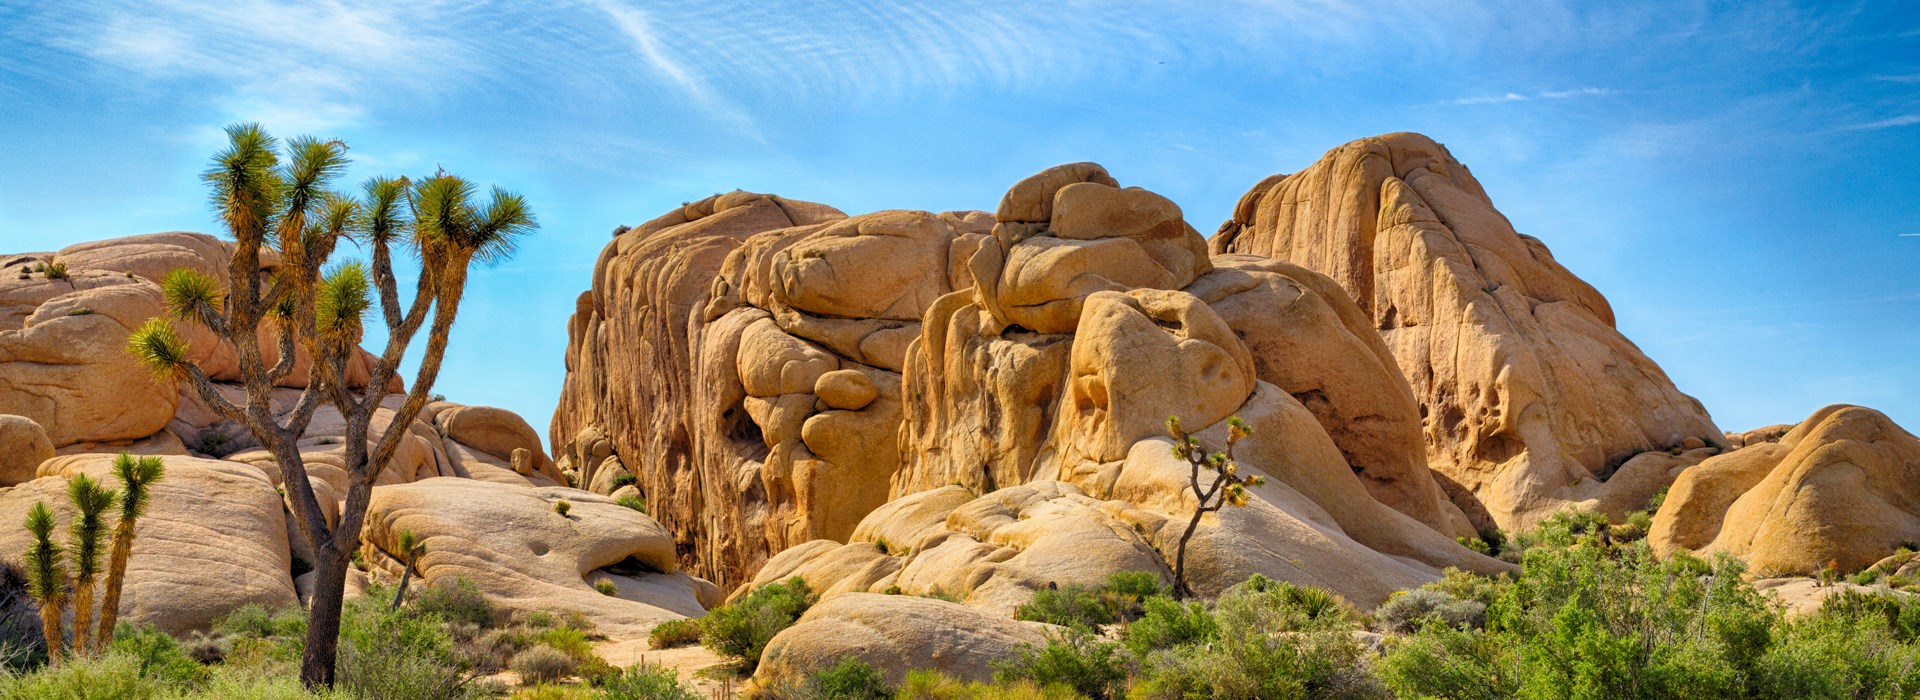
(1734, 176)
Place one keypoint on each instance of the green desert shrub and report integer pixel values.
(849, 678)
(453, 600)
(1409, 610)
(543, 664)
(644, 683)
(1072, 605)
(927, 684)
(398, 655)
(674, 633)
(1075, 658)
(1169, 623)
(741, 629)
(631, 502)
(1275, 640)
(606, 587)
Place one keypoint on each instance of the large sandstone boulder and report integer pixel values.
(797, 392)
(63, 357)
(896, 634)
(1530, 398)
(1842, 487)
(214, 538)
(528, 557)
(23, 446)
(741, 357)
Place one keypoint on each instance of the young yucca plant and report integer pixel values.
(270, 197)
(90, 503)
(47, 577)
(1227, 488)
(412, 547)
(137, 475)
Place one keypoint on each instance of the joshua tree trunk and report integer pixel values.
(136, 474)
(323, 619)
(83, 619)
(116, 577)
(1180, 558)
(406, 574)
(53, 630)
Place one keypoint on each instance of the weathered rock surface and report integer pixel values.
(787, 352)
(214, 538)
(63, 358)
(1843, 487)
(1529, 396)
(527, 557)
(741, 358)
(897, 634)
(23, 446)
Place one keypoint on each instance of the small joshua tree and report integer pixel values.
(287, 208)
(136, 476)
(1227, 488)
(47, 577)
(90, 502)
(411, 548)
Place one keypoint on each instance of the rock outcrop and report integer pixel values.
(741, 356)
(1842, 487)
(218, 535)
(1024, 362)
(896, 633)
(528, 557)
(214, 538)
(64, 320)
(1529, 397)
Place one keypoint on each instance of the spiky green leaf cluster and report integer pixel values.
(447, 217)
(137, 473)
(89, 526)
(190, 295)
(246, 182)
(341, 302)
(159, 348)
(46, 571)
(384, 210)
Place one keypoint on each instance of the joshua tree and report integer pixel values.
(264, 202)
(1228, 487)
(411, 547)
(90, 502)
(47, 577)
(136, 475)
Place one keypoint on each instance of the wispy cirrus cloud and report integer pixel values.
(1888, 123)
(1517, 97)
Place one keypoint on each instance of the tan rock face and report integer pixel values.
(896, 633)
(741, 358)
(1527, 392)
(213, 539)
(795, 392)
(526, 557)
(1840, 487)
(63, 358)
(23, 446)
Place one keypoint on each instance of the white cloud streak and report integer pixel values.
(1517, 97)
(1888, 123)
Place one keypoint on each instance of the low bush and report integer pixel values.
(1072, 605)
(674, 633)
(1076, 659)
(1169, 623)
(741, 630)
(1407, 611)
(644, 683)
(847, 679)
(543, 664)
(632, 502)
(928, 684)
(453, 600)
